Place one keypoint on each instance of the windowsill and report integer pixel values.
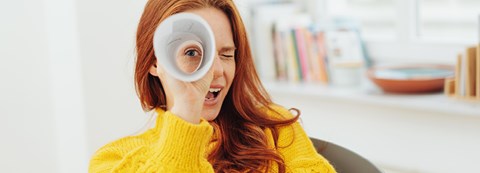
(436, 102)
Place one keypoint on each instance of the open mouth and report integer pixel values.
(212, 94)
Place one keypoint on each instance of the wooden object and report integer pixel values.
(449, 87)
(470, 72)
(477, 91)
(458, 72)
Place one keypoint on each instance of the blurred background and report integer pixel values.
(67, 78)
(67, 81)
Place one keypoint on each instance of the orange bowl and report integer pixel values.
(411, 78)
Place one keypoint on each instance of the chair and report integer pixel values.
(344, 160)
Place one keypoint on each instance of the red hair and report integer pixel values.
(240, 126)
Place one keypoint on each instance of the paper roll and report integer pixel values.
(195, 35)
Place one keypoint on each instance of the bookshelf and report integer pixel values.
(292, 47)
(367, 94)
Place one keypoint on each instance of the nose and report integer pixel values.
(217, 68)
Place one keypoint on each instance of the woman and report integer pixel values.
(225, 122)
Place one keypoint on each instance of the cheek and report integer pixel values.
(230, 71)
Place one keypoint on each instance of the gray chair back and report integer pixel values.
(344, 160)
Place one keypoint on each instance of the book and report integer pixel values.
(291, 55)
(302, 53)
(322, 56)
(296, 55)
(291, 47)
(264, 17)
(313, 64)
(280, 59)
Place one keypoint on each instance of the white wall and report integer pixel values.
(107, 39)
(27, 121)
(66, 67)
(66, 85)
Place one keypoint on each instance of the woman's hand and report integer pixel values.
(188, 97)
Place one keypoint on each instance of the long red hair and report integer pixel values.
(240, 126)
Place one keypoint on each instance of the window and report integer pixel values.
(377, 17)
(449, 19)
(413, 31)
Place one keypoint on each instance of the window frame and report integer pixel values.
(407, 46)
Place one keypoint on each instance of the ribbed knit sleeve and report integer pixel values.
(173, 146)
(298, 151)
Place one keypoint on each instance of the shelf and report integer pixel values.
(436, 102)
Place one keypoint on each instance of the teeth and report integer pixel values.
(214, 90)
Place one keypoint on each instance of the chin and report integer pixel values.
(210, 114)
(211, 110)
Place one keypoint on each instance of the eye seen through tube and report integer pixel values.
(189, 56)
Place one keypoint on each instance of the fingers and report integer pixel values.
(208, 78)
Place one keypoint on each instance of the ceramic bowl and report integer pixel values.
(411, 78)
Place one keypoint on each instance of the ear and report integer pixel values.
(153, 69)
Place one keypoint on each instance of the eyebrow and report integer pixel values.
(227, 49)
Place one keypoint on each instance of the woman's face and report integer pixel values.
(223, 65)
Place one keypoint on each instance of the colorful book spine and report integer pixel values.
(292, 66)
(302, 53)
(313, 64)
(322, 56)
(280, 64)
(296, 56)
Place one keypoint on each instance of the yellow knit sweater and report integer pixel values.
(175, 145)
